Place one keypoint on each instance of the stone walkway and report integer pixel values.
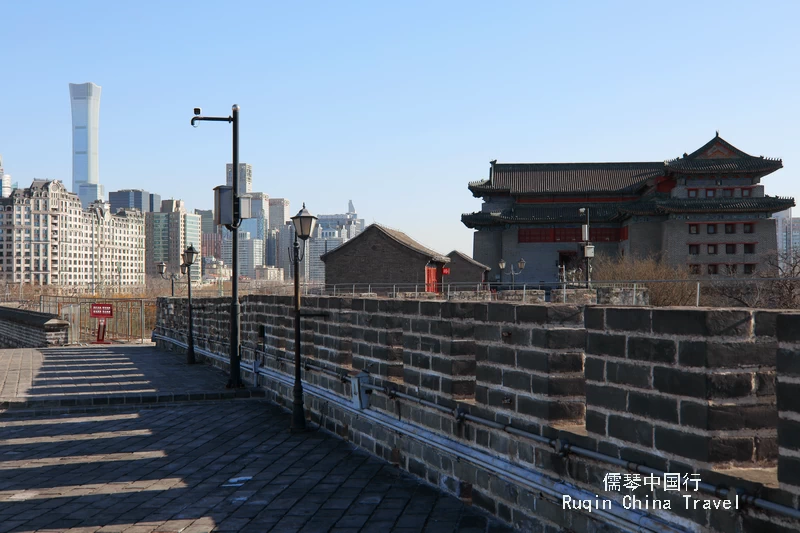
(27, 374)
(190, 467)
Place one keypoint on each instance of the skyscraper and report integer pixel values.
(134, 199)
(245, 177)
(206, 220)
(169, 232)
(6, 181)
(348, 223)
(85, 99)
(278, 212)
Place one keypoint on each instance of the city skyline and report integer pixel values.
(394, 110)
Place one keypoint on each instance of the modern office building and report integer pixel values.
(212, 245)
(251, 254)
(169, 233)
(348, 223)
(134, 199)
(323, 241)
(206, 220)
(278, 212)
(47, 238)
(783, 225)
(245, 177)
(258, 223)
(285, 245)
(706, 210)
(85, 100)
(332, 231)
(5, 181)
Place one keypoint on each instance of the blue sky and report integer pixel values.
(394, 105)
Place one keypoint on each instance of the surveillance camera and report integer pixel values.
(198, 111)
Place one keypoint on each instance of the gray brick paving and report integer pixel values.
(31, 374)
(193, 467)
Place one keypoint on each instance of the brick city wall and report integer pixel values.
(30, 329)
(690, 391)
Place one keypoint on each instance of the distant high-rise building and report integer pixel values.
(169, 233)
(783, 225)
(251, 254)
(134, 199)
(795, 238)
(245, 177)
(85, 99)
(258, 223)
(348, 223)
(332, 231)
(285, 243)
(278, 212)
(206, 220)
(322, 242)
(5, 190)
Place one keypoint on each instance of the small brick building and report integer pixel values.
(380, 259)
(464, 269)
(706, 210)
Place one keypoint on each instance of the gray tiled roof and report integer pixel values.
(519, 178)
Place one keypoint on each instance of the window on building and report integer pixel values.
(727, 193)
(694, 249)
(692, 193)
(711, 229)
(748, 228)
(710, 193)
(750, 248)
(694, 269)
(749, 268)
(712, 269)
(730, 228)
(731, 269)
(712, 249)
(730, 248)
(694, 229)
(746, 193)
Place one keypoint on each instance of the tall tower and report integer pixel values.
(85, 99)
(245, 177)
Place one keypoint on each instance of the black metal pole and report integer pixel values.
(190, 350)
(588, 238)
(172, 283)
(236, 309)
(298, 410)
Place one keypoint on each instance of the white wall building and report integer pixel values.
(49, 239)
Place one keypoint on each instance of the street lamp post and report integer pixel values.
(586, 244)
(188, 257)
(162, 269)
(235, 381)
(304, 223)
(520, 265)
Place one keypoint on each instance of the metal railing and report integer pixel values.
(133, 318)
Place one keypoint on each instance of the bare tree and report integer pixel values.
(651, 268)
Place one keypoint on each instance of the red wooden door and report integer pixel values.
(430, 279)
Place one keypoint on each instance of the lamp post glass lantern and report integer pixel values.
(304, 224)
(162, 270)
(186, 268)
(520, 264)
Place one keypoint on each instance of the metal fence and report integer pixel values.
(705, 291)
(133, 320)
